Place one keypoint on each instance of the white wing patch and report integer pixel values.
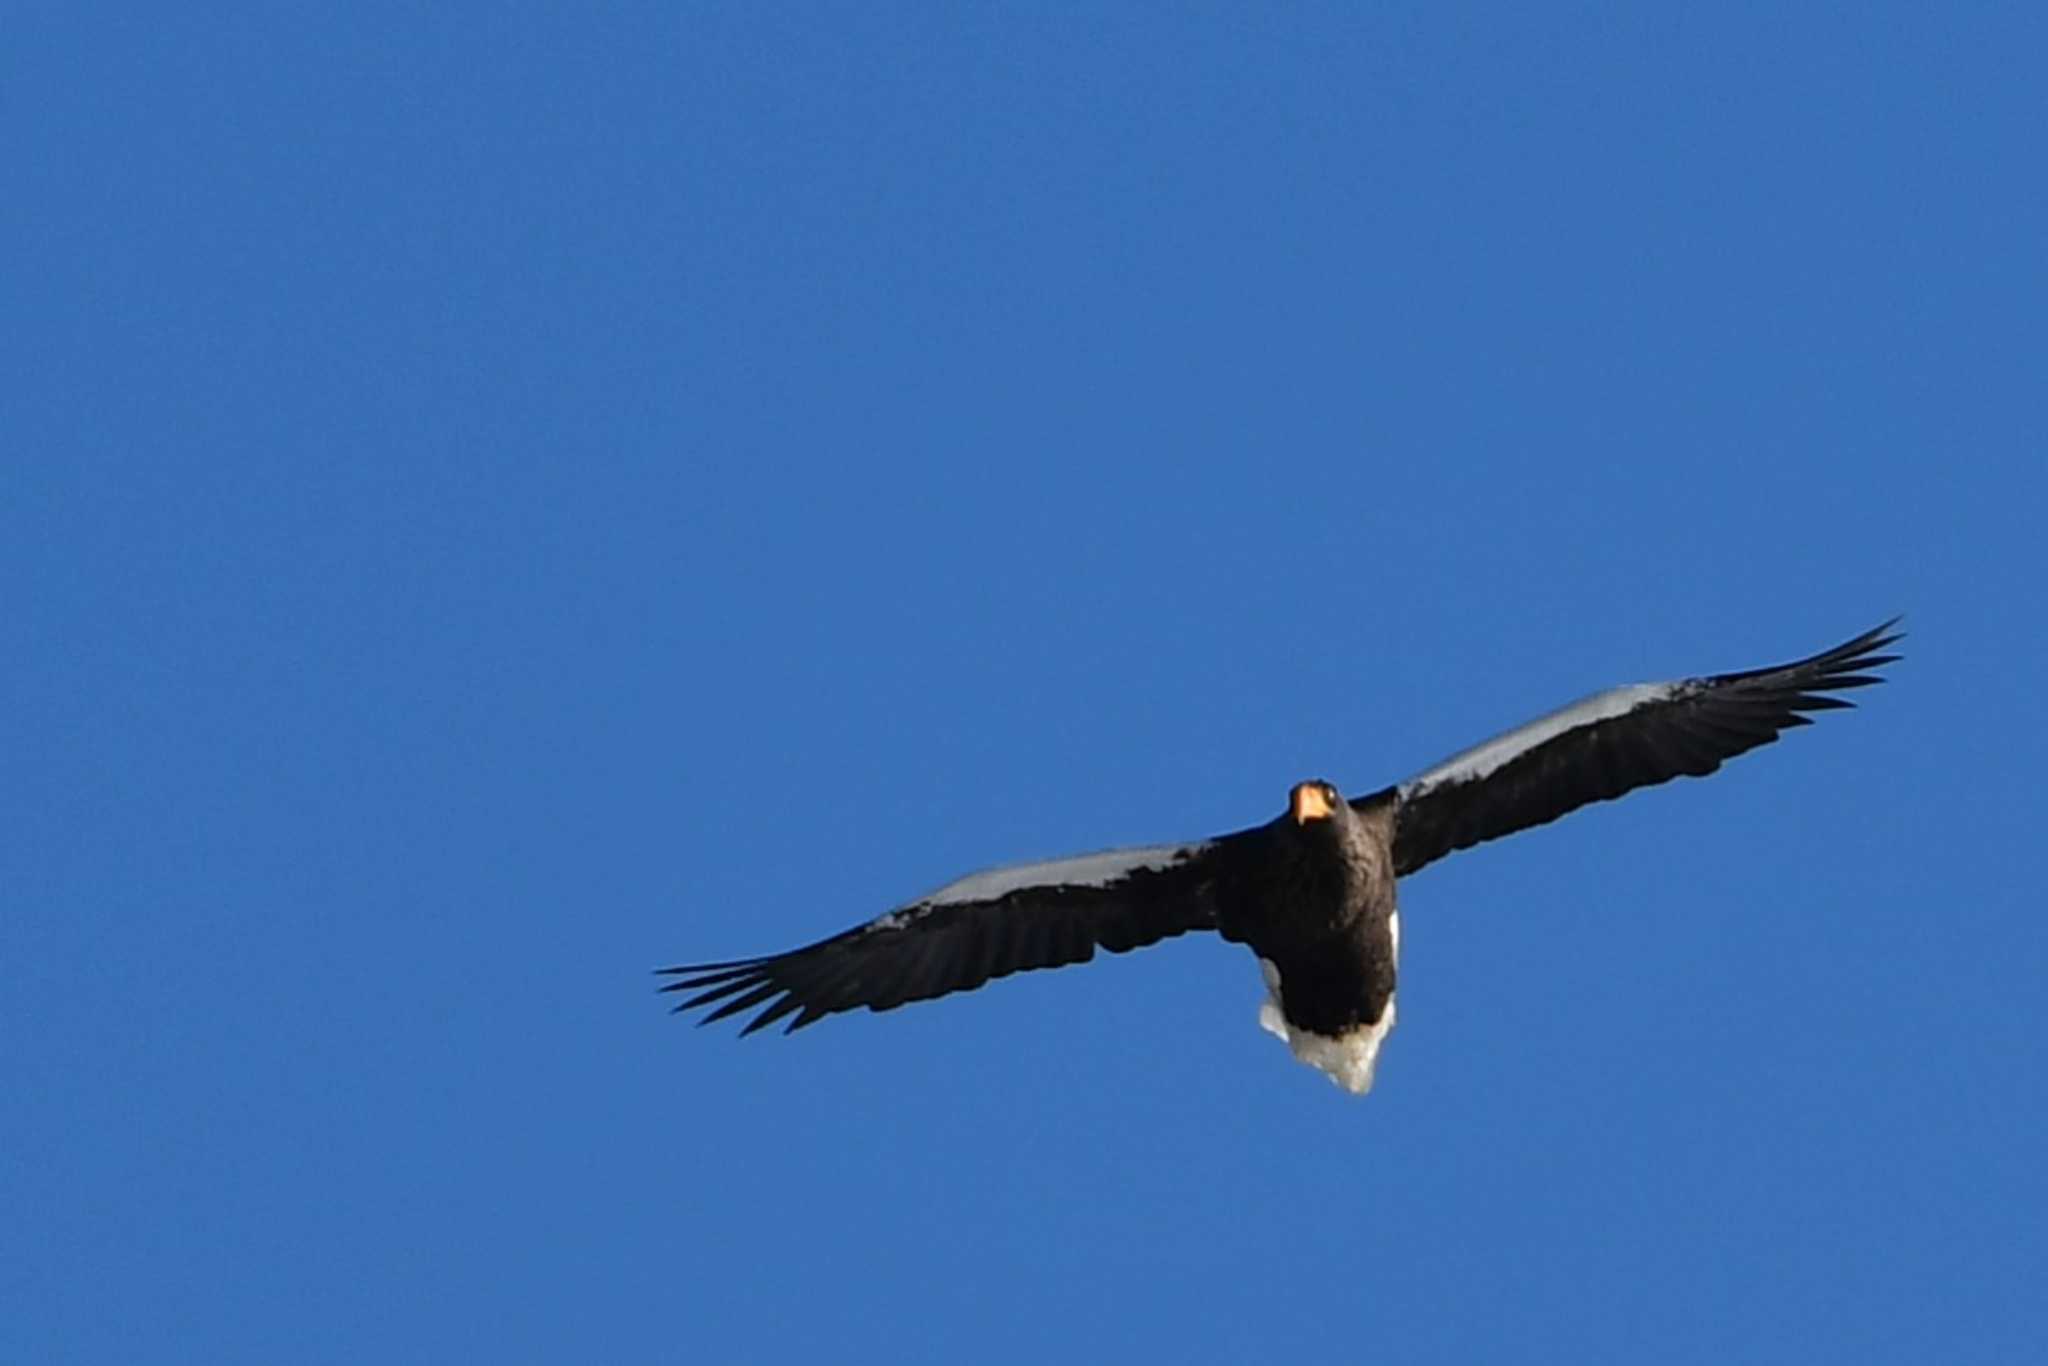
(1482, 760)
(1088, 870)
(1348, 1059)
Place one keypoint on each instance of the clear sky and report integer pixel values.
(497, 499)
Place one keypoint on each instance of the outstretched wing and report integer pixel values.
(990, 924)
(1614, 742)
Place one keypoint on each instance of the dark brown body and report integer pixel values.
(1315, 899)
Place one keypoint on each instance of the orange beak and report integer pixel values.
(1308, 803)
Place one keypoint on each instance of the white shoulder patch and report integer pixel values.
(1480, 761)
(1087, 870)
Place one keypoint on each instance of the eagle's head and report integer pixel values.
(1315, 801)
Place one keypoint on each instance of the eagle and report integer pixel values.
(1311, 892)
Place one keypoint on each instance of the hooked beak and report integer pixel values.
(1308, 803)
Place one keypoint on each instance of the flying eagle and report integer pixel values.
(1312, 891)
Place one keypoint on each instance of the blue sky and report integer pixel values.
(500, 499)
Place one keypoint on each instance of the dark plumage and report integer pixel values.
(1311, 892)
